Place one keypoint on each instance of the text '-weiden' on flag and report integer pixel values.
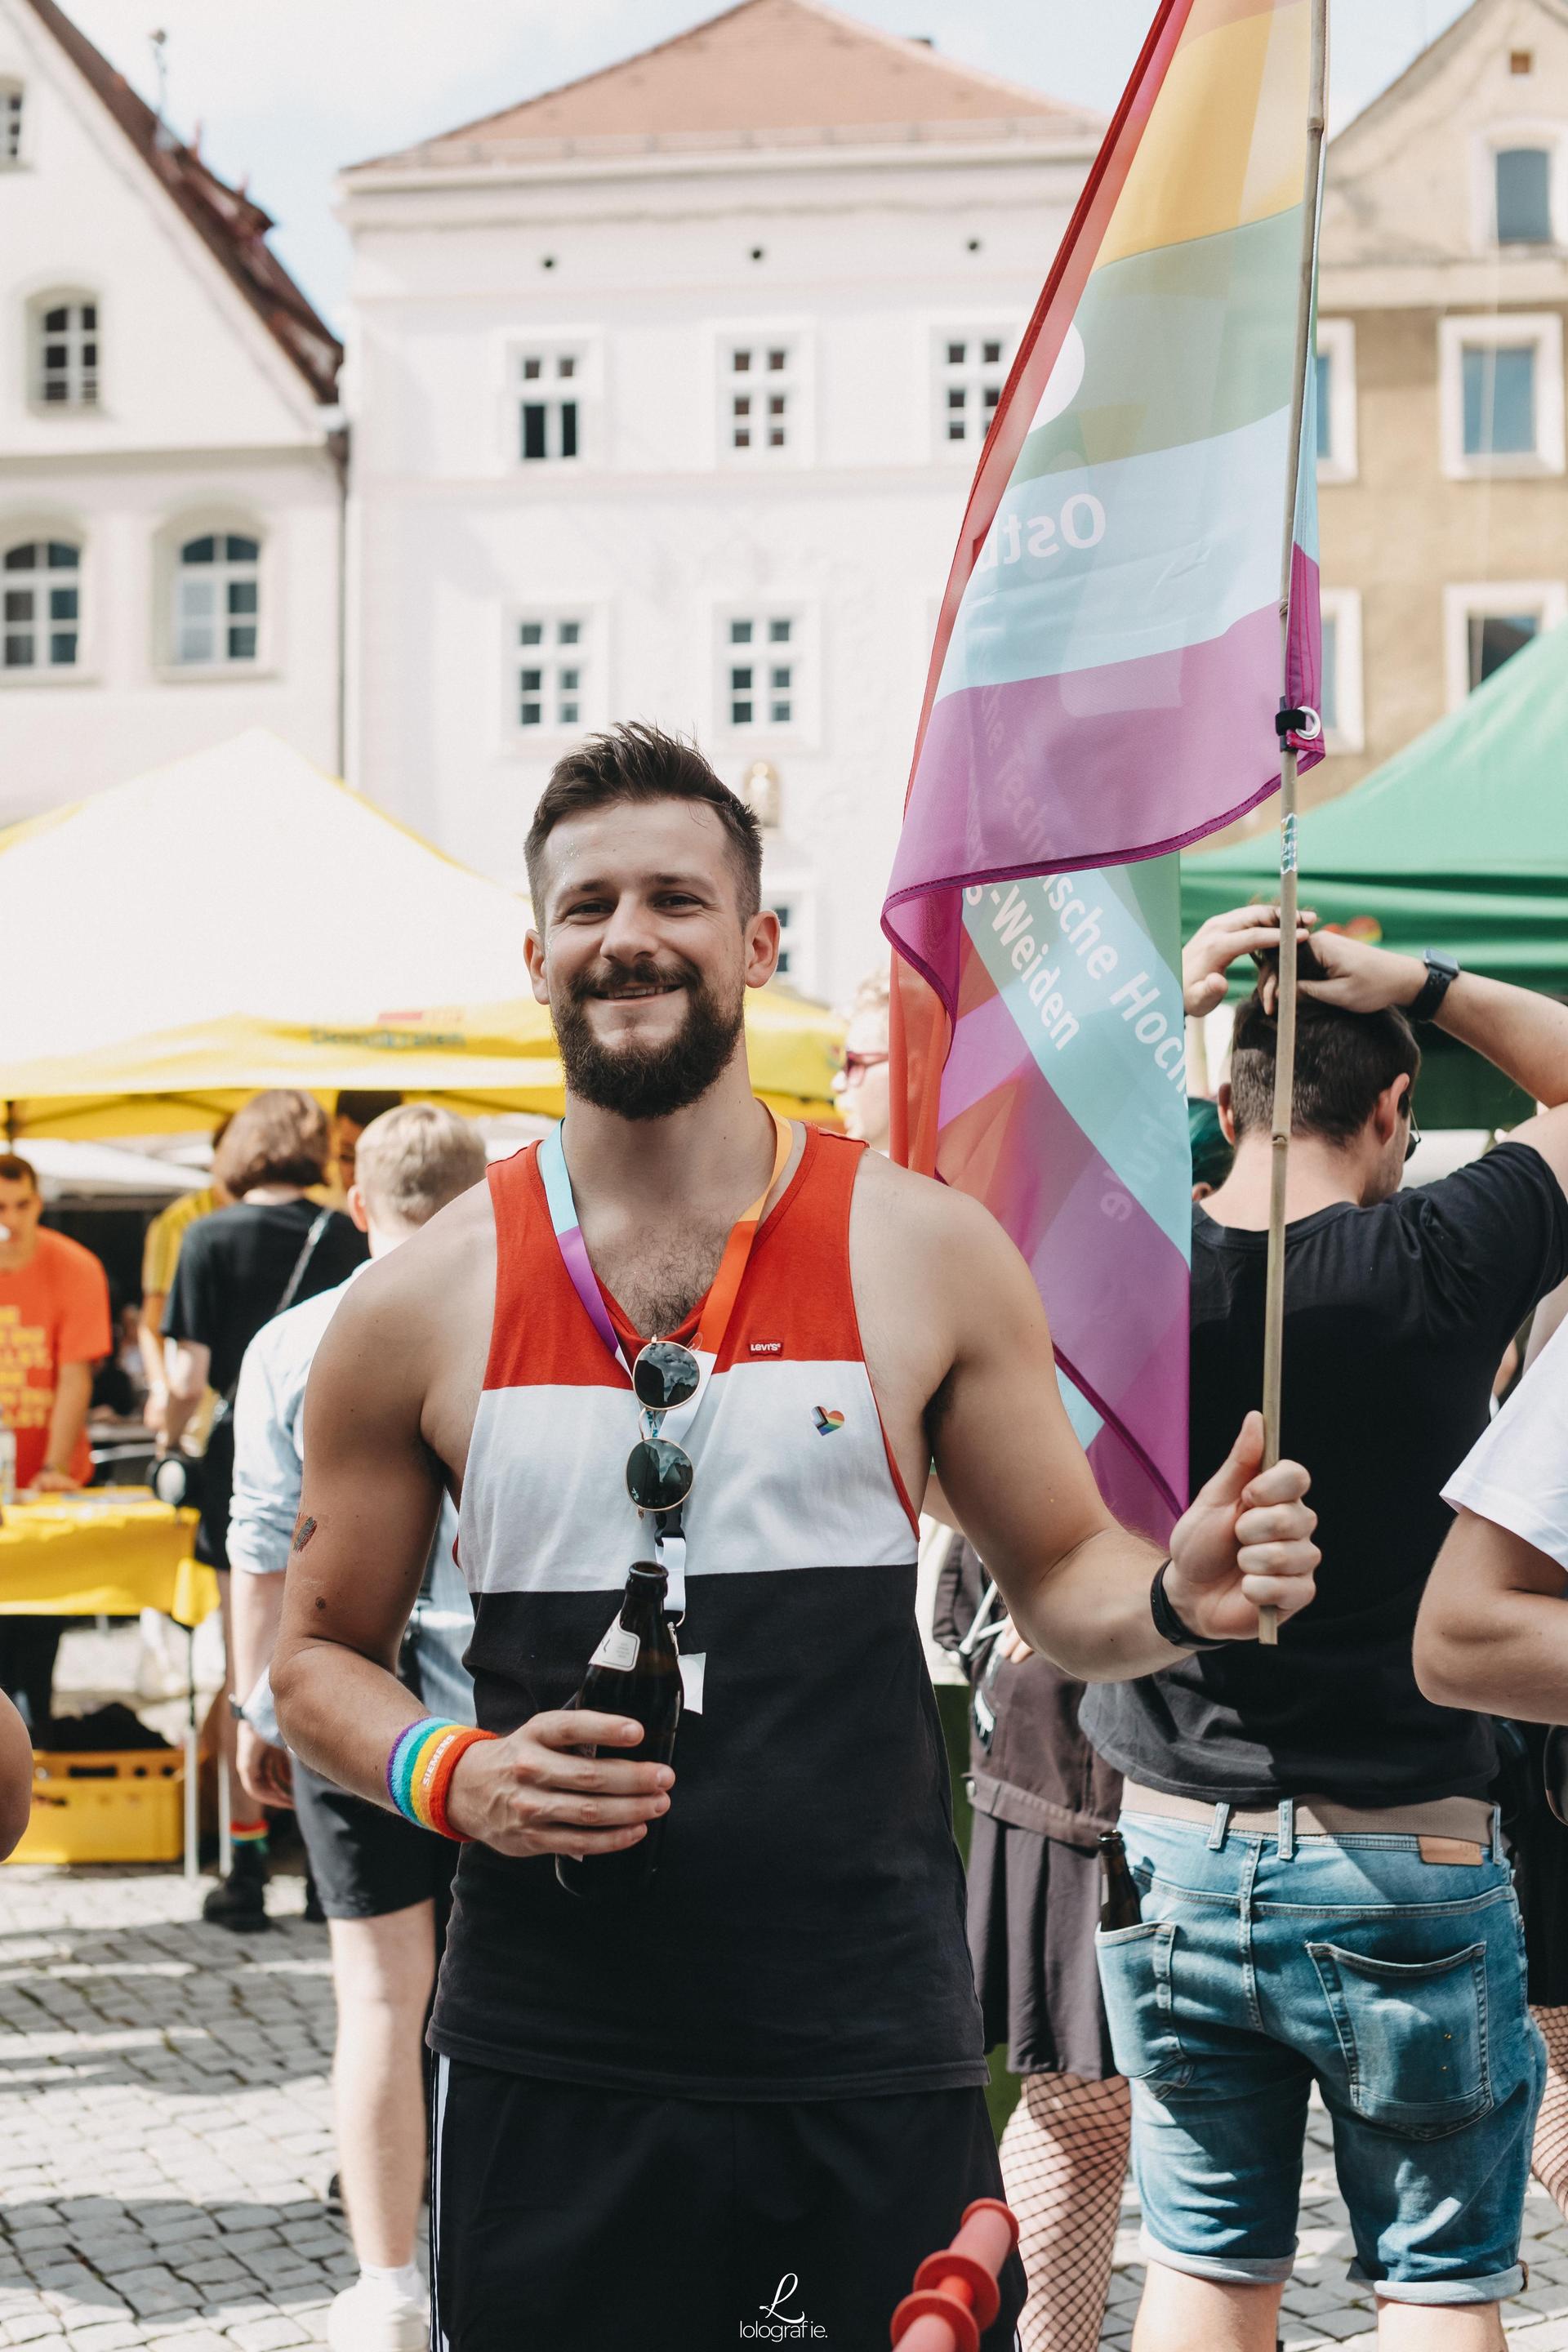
(1104, 688)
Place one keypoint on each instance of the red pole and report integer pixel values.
(955, 2295)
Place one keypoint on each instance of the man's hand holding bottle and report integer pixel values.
(534, 1793)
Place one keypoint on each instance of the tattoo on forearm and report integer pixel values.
(303, 1534)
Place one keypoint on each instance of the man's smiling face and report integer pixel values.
(645, 954)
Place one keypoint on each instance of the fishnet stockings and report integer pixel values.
(1549, 2159)
(1063, 2156)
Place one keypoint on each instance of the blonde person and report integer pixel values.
(385, 1885)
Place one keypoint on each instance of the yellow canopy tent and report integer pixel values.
(302, 939)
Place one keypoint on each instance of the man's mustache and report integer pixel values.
(606, 981)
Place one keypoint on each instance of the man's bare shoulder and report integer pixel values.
(917, 1213)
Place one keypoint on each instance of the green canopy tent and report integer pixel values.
(1459, 842)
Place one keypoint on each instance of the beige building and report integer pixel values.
(1443, 290)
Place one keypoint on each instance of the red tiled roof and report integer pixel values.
(232, 227)
(766, 72)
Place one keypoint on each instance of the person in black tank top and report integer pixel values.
(757, 2101)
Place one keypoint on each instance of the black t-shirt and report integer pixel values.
(234, 1268)
(1396, 1319)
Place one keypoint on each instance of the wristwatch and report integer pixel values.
(1442, 970)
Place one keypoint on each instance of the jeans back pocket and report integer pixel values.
(1135, 1978)
(1412, 2034)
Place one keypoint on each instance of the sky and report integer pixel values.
(288, 91)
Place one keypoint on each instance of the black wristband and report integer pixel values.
(1168, 1625)
(1442, 970)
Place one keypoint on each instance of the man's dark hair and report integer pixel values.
(359, 1106)
(637, 762)
(1343, 1062)
(15, 1170)
(279, 1137)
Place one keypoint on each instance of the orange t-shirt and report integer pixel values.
(54, 1310)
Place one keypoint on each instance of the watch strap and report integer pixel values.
(1442, 970)
(1169, 1626)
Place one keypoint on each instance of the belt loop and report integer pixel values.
(1498, 1853)
(1221, 1827)
(1287, 1829)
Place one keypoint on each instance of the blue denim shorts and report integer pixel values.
(1263, 1964)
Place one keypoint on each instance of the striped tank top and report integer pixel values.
(805, 1935)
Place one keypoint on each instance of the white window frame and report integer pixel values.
(14, 113)
(1464, 330)
(75, 299)
(1476, 599)
(222, 572)
(1336, 343)
(1534, 131)
(943, 374)
(217, 521)
(758, 736)
(800, 936)
(24, 533)
(593, 700)
(584, 349)
(793, 379)
(1342, 606)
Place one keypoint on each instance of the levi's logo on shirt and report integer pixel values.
(767, 1347)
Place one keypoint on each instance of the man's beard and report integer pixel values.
(647, 1081)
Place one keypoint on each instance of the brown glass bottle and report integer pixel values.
(1121, 1906)
(635, 1671)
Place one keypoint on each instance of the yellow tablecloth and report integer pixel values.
(109, 1552)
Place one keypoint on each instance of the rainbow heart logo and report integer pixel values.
(826, 1422)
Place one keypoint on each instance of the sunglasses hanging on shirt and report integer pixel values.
(666, 1375)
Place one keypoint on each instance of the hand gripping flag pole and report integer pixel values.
(1293, 726)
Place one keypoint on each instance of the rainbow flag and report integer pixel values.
(1108, 667)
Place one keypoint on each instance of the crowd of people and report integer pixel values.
(762, 2090)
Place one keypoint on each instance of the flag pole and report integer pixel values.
(1285, 1043)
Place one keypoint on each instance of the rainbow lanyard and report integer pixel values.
(669, 1542)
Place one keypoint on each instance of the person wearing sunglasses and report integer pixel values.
(861, 1086)
(684, 1327)
(1315, 1799)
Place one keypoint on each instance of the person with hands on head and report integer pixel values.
(786, 2021)
(1325, 1894)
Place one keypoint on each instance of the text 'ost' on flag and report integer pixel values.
(1107, 667)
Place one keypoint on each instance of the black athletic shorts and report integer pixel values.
(589, 2220)
(367, 1862)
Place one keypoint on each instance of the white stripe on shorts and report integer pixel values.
(437, 2123)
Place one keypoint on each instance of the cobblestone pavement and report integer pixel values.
(164, 2142)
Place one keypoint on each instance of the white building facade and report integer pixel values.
(170, 453)
(666, 391)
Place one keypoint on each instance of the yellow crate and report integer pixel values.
(124, 1805)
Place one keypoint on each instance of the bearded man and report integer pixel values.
(744, 2105)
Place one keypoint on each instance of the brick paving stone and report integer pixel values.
(169, 2136)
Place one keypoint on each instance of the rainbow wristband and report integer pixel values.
(420, 1767)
